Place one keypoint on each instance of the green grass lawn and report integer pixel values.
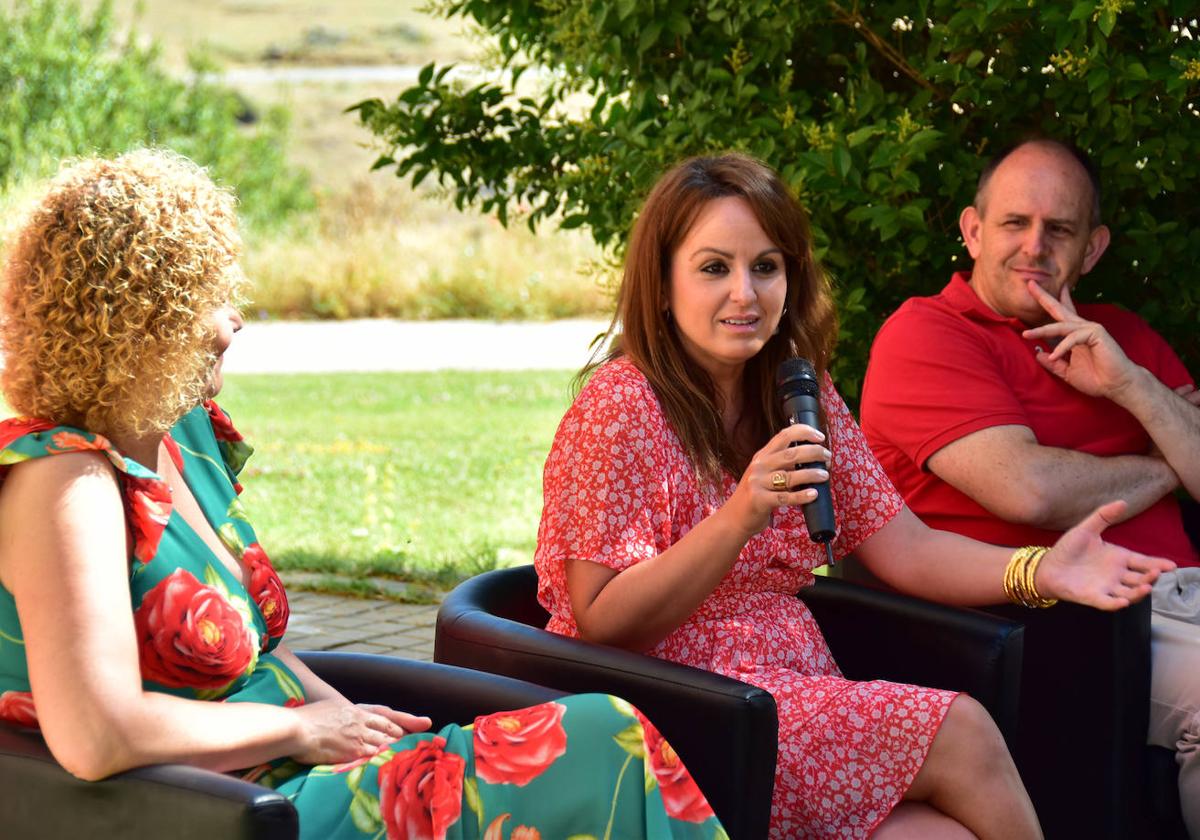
(429, 477)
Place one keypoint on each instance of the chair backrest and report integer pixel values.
(881, 634)
(1084, 712)
(725, 730)
(1082, 716)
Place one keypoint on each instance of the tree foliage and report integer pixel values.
(69, 86)
(876, 113)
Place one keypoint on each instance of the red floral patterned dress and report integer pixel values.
(582, 766)
(619, 488)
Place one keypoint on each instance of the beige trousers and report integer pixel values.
(1175, 682)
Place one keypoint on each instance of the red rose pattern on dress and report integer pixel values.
(495, 830)
(190, 636)
(420, 791)
(267, 591)
(200, 637)
(147, 510)
(223, 428)
(233, 446)
(619, 488)
(17, 707)
(517, 747)
(681, 796)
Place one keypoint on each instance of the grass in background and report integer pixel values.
(429, 477)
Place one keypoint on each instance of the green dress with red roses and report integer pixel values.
(584, 767)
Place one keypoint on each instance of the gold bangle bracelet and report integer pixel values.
(1036, 599)
(1019, 578)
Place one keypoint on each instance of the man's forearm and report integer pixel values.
(1016, 479)
(1172, 422)
(1067, 485)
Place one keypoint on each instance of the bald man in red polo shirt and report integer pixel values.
(1004, 411)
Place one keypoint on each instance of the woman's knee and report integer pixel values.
(969, 738)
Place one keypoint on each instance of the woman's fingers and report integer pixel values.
(789, 459)
(377, 719)
(788, 480)
(798, 497)
(807, 453)
(789, 435)
(406, 721)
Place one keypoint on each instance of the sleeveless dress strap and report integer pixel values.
(147, 497)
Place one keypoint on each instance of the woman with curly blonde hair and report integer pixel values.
(134, 592)
(107, 292)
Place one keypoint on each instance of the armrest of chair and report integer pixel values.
(38, 799)
(1085, 684)
(1082, 712)
(736, 770)
(443, 692)
(877, 634)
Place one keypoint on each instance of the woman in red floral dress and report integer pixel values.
(140, 619)
(649, 539)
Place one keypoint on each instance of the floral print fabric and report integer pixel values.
(585, 766)
(619, 488)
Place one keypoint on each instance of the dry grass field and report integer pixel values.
(374, 246)
(251, 32)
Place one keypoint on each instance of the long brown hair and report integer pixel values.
(642, 331)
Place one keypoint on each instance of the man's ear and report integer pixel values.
(1098, 241)
(971, 224)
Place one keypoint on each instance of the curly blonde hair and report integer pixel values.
(108, 291)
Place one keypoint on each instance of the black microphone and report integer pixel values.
(800, 398)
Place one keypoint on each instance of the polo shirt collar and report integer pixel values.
(959, 294)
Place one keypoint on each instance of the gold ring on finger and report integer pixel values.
(779, 481)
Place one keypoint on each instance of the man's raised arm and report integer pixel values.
(1088, 359)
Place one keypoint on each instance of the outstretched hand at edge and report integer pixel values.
(1083, 568)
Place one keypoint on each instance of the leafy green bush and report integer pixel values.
(68, 86)
(874, 117)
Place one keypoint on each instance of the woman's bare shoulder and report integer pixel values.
(50, 503)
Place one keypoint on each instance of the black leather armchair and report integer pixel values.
(39, 800)
(1080, 742)
(1081, 731)
(724, 729)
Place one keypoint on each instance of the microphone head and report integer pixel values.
(796, 376)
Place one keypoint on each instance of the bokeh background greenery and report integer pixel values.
(877, 112)
(553, 118)
(426, 478)
(326, 237)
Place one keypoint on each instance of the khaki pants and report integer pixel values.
(1175, 682)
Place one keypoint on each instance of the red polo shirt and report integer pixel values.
(945, 366)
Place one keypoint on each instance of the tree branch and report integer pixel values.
(856, 21)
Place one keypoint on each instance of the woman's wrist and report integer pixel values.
(1022, 583)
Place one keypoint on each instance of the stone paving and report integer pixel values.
(333, 622)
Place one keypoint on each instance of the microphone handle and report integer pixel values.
(818, 514)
